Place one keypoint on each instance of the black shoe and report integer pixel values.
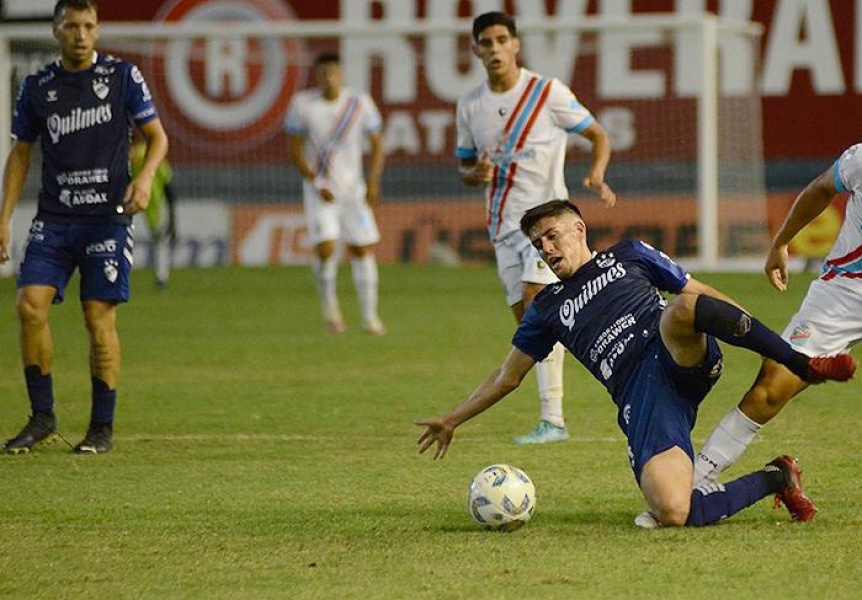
(97, 441)
(42, 427)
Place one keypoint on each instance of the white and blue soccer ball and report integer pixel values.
(501, 498)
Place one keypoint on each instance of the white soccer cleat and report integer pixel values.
(647, 520)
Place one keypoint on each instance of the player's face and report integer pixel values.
(498, 50)
(329, 78)
(562, 243)
(77, 32)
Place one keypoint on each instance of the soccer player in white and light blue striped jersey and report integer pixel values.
(328, 126)
(512, 139)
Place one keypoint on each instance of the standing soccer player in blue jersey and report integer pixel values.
(80, 107)
(657, 359)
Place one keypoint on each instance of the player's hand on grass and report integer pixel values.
(437, 431)
(776, 267)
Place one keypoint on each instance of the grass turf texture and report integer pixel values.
(258, 456)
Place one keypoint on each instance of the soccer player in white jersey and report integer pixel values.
(829, 322)
(512, 139)
(328, 126)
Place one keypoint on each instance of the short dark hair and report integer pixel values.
(326, 58)
(74, 5)
(485, 20)
(553, 208)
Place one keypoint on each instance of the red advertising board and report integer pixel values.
(809, 73)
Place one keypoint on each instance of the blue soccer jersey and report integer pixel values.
(83, 120)
(606, 313)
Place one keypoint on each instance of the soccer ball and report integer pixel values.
(501, 498)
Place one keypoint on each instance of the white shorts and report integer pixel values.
(518, 262)
(829, 321)
(349, 221)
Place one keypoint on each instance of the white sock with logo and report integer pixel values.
(365, 280)
(724, 446)
(549, 376)
(325, 272)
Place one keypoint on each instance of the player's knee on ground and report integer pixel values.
(673, 513)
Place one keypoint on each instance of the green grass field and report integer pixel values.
(258, 456)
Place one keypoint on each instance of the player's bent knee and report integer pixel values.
(673, 515)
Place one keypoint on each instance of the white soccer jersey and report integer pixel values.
(844, 263)
(334, 132)
(524, 133)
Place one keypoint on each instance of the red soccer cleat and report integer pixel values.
(831, 368)
(800, 506)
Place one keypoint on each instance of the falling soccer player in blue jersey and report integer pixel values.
(80, 107)
(658, 360)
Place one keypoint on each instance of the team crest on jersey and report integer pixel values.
(606, 260)
(101, 88)
(52, 96)
(111, 270)
(502, 111)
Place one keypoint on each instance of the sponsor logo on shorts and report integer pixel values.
(108, 246)
(800, 334)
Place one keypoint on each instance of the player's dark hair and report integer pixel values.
(553, 208)
(485, 20)
(327, 58)
(74, 5)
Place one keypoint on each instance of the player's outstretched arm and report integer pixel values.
(496, 386)
(812, 201)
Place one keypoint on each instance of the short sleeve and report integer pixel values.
(465, 146)
(566, 110)
(531, 337)
(139, 101)
(25, 123)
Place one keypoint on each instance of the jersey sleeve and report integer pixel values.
(294, 123)
(25, 124)
(372, 121)
(139, 101)
(531, 337)
(465, 146)
(847, 170)
(566, 110)
(663, 272)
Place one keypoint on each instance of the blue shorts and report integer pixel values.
(658, 408)
(102, 252)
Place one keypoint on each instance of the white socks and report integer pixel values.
(365, 280)
(549, 375)
(325, 272)
(724, 446)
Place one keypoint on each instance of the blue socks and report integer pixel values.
(737, 328)
(40, 389)
(713, 502)
(104, 402)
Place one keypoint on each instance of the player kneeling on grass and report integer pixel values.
(658, 360)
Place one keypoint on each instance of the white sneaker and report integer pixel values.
(374, 327)
(647, 520)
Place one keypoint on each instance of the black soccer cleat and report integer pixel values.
(41, 427)
(99, 439)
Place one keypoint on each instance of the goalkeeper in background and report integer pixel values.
(160, 214)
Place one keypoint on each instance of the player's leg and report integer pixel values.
(828, 323)
(158, 221)
(322, 222)
(774, 387)
(688, 317)
(359, 230)
(105, 257)
(42, 280)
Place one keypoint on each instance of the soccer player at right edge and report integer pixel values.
(829, 321)
(658, 359)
